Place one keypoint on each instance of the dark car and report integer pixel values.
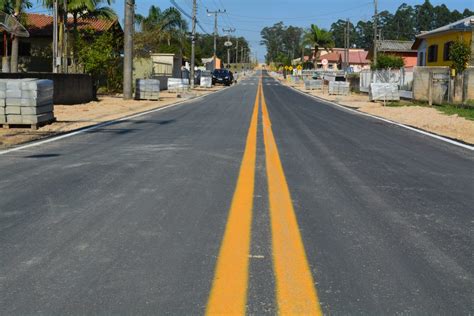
(222, 76)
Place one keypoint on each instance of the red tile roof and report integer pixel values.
(42, 25)
(332, 57)
(358, 57)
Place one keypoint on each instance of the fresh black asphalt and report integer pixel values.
(129, 218)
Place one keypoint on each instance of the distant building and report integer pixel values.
(401, 49)
(333, 60)
(433, 46)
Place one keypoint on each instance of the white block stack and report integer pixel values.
(147, 89)
(339, 88)
(384, 92)
(206, 82)
(312, 84)
(26, 101)
(178, 84)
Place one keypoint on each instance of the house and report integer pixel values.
(401, 49)
(333, 60)
(36, 51)
(433, 46)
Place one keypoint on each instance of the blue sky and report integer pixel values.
(250, 16)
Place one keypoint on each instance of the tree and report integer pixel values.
(319, 38)
(459, 54)
(401, 26)
(425, 17)
(338, 31)
(385, 61)
(99, 55)
(159, 26)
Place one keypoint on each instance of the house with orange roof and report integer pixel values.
(36, 51)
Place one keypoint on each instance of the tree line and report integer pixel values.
(285, 43)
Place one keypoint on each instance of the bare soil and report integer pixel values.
(107, 108)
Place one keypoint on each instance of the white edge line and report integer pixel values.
(103, 124)
(444, 139)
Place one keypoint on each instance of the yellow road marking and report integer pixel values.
(295, 290)
(229, 288)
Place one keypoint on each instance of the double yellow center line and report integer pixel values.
(295, 291)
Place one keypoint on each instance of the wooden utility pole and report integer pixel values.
(375, 32)
(228, 31)
(193, 44)
(55, 37)
(215, 31)
(128, 50)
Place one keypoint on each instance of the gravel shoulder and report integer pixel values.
(107, 108)
(425, 118)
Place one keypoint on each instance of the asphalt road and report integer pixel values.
(209, 206)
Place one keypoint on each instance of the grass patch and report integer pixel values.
(466, 111)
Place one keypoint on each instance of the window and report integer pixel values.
(433, 53)
(447, 47)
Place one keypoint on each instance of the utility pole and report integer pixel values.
(236, 51)
(375, 33)
(15, 40)
(347, 46)
(193, 44)
(215, 31)
(128, 50)
(65, 39)
(228, 31)
(55, 36)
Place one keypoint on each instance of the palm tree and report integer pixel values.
(318, 38)
(80, 9)
(161, 26)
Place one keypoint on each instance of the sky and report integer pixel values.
(248, 17)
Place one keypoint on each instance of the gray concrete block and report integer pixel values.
(35, 102)
(2, 111)
(34, 119)
(37, 84)
(13, 110)
(26, 110)
(14, 119)
(13, 101)
(16, 93)
(3, 94)
(3, 119)
(2, 103)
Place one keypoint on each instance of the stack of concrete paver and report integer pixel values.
(384, 92)
(27, 101)
(206, 82)
(339, 88)
(178, 84)
(312, 84)
(147, 89)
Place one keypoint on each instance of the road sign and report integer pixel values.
(290, 68)
(228, 44)
(299, 67)
(324, 62)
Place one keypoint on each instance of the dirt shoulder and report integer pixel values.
(107, 108)
(426, 118)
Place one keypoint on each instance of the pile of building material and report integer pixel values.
(178, 84)
(26, 102)
(147, 89)
(339, 88)
(206, 82)
(384, 92)
(312, 84)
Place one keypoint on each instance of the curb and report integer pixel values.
(84, 129)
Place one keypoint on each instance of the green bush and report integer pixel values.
(460, 54)
(385, 61)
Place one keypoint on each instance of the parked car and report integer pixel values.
(222, 76)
